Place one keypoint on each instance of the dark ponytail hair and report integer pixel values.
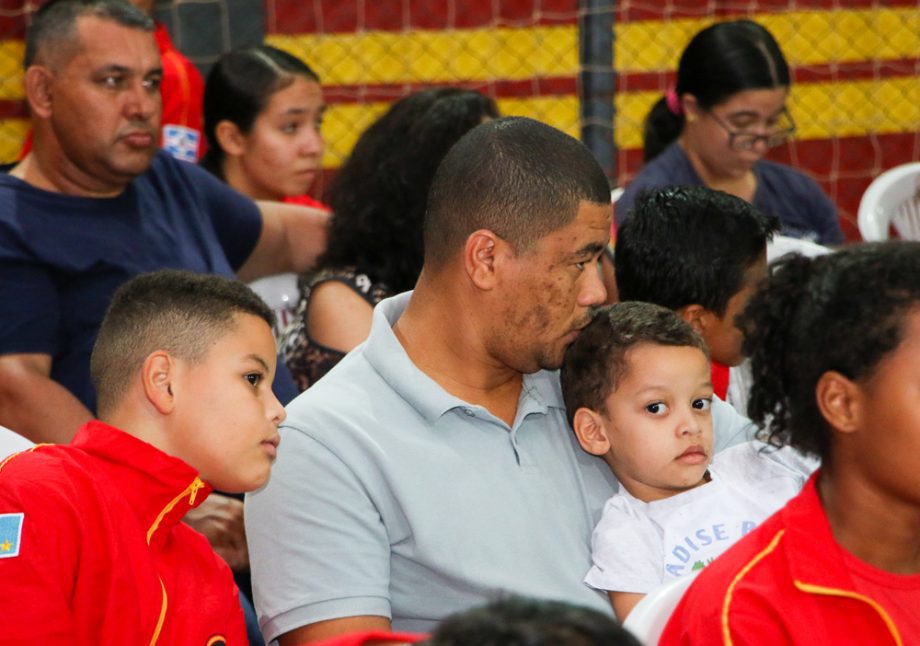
(843, 312)
(720, 61)
(239, 87)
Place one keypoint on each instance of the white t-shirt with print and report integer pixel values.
(637, 546)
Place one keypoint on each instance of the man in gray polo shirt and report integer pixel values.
(433, 468)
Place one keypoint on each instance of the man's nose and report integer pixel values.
(592, 290)
(142, 102)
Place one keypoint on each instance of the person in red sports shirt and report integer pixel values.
(834, 343)
(92, 547)
(182, 90)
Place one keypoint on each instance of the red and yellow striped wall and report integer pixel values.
(856, 96)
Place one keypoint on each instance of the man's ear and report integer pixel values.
(230, 138)
(840, 401)
(697, 316)
(38, 81)
(590, 431)
(157, 375)
(479, 257)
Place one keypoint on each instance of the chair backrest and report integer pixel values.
(11, 442)
(648, 617)
(281, 294)
(892, 199)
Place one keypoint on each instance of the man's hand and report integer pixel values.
(220, 519)
(292, 239)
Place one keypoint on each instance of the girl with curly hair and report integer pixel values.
(375, 238)
(835, 350)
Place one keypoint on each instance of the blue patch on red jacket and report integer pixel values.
(10, 534)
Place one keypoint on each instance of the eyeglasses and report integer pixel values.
(779, 133)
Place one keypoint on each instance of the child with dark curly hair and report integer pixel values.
(638, 394)
(835, 350)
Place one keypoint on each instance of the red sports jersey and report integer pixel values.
(93, 550)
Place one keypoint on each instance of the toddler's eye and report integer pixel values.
(254, 378)
(704, 403)
(657, 408)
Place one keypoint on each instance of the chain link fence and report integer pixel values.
(855, 97)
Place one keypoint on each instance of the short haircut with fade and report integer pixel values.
(180, 312)
(516, 177)
(689, 245)
(597, 361)
(55, 23)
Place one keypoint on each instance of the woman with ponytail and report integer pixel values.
(713, 127)
(263, 112)
(263, 109)
(835, 350)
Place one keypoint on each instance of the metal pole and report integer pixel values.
(597, 81)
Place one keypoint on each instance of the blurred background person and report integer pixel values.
(715, 125)
(181, 90)
(375, 238)
(263, 112)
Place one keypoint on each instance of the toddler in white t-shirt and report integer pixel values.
(638, 392)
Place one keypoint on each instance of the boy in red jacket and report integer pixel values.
(92, 550)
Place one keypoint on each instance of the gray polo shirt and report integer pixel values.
(392, 497)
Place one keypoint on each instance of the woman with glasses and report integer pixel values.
(713, 127)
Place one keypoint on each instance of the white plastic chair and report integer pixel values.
(892, 199)
(648, 617)
(11, 442)
(281, 294)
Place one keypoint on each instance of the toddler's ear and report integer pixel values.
(590, 431)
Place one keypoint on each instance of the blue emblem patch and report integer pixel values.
(181, 142)
(10, 533)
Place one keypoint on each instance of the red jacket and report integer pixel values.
(784, 583)
(94, 551)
